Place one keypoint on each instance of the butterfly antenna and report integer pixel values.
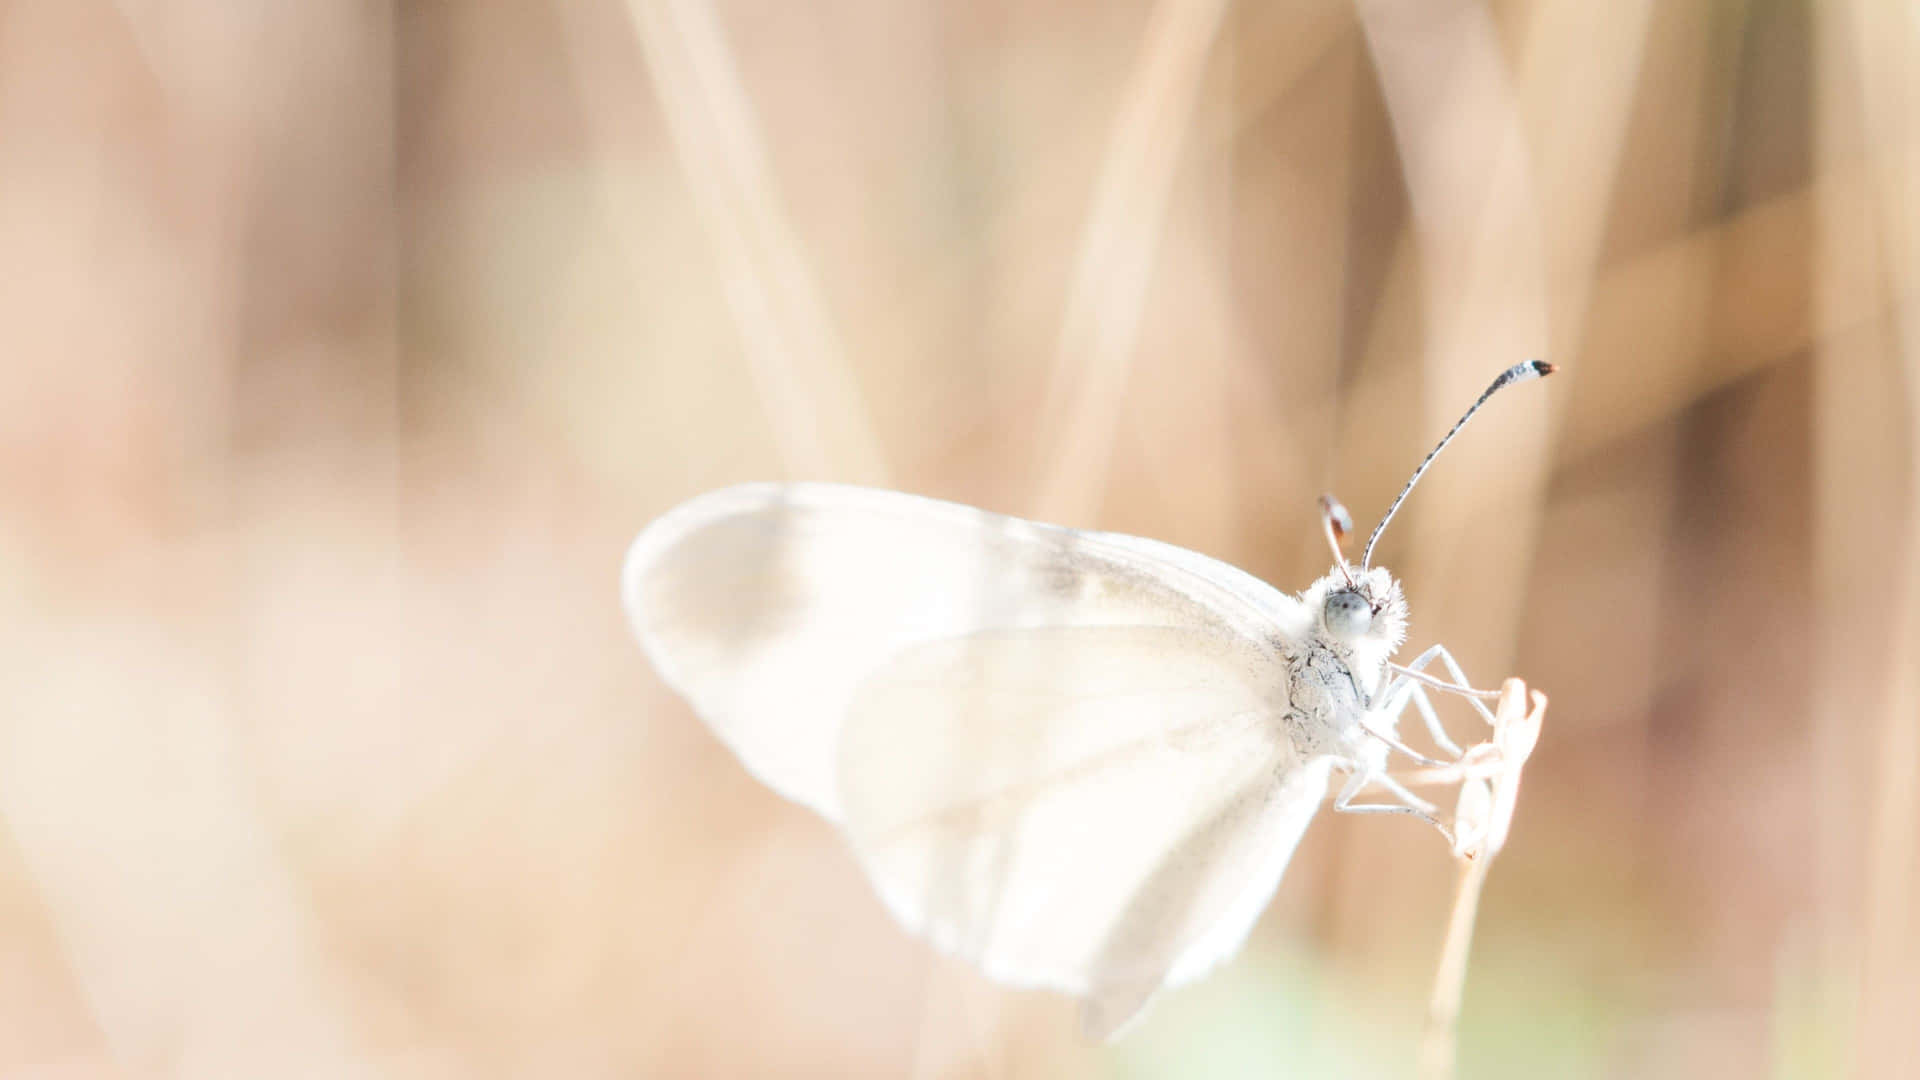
(1336, 523)
(1531, 369)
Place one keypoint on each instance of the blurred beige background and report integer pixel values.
(346, 345)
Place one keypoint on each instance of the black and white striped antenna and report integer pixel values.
(1531, 369)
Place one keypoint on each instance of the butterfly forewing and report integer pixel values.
(765, 605)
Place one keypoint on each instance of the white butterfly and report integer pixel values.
(1080, 760)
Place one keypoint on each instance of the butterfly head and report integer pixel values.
(1366, 609)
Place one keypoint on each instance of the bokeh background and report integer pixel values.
(345, 346)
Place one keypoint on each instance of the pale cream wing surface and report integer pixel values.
(768, 605)
(1099, 810)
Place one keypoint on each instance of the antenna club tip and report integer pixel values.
(1541, 367)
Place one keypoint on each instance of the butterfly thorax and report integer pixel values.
(1326, 698)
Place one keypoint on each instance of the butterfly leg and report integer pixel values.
(1402, 691)
(1409, 751)
(1411, 805)
(1409, 686)
(1415, 673)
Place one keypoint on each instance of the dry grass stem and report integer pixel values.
(1489, 777)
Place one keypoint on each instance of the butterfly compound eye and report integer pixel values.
(1348, 614)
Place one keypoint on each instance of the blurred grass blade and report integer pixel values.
(1097, 333)
(808, 389)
